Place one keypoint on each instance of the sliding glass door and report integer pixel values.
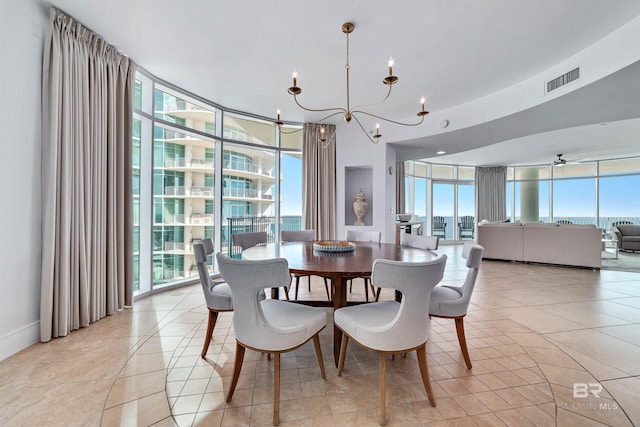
(453, 210)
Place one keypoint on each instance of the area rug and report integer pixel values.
(627, 261)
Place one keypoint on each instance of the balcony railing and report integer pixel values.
(194, 219)
(201, 219)
(201, 191)
(178, 247)
(174, 190)
(241, 193)
(239, 225)
(247, 167)
(182, 162)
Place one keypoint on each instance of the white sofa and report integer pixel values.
(563, 244)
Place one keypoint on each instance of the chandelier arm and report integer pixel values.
(295, 97)
(289, 133)
(329, 116)
(374, 105)
(389, 120)
(364, 130)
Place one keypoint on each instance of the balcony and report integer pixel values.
(247, 169)
(193, 163)
(194, 219)
(245, 194)
(178, 248)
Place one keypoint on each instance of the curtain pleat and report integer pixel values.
(87, 233)
(491, 190)
(319, 181)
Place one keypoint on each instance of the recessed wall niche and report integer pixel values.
(358, 178)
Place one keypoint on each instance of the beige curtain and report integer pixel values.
(491, 191)
(87, 258)
(319, 181)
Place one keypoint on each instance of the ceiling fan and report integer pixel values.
(559, 161)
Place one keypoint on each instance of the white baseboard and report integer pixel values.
(19, 340)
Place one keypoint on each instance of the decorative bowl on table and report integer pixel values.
(334, 246)
(403, 217)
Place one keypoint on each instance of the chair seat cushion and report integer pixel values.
(443, 301)
(220, 297)
(293, 323)
(365, 322)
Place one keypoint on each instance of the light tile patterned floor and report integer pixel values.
(533, 332)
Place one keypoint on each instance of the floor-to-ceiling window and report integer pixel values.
(600, 193)
(442, 196)
(188, 139)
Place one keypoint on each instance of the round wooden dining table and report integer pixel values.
(337, 266)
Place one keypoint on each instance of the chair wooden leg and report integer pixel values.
(308, 283)
(213, 317)
(377, 293)
(326, 288)
(383, 389)
(276, 389)
(316, 345)
(286, 293)
(297, 287)
(462, 340)
(343, 352)
(236, 370)
(424, 372)
(366, 289)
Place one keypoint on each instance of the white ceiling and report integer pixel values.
(240, 54)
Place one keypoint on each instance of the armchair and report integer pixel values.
(439, 227)
(466, 227)
(628, 236)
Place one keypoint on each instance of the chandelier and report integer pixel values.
(348, 112)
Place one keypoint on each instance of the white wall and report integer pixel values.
(20, 245)
(355, 150)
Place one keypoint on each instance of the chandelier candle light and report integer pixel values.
(347, 112)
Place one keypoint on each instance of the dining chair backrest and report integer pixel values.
(472, 252)
(247, 278)
(410, 326)
(249, 240)
(363, 236)
(215, 300)
(456, 303)
(297, 236)
(429, 243)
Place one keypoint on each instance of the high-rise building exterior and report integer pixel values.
(193, 141)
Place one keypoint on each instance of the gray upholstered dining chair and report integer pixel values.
(428, 243)
(249, 240)
(391, 327)
(270, 326)
(302, 236)
(452, 301)
(363, 236)
(217, 295)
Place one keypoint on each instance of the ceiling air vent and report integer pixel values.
(563, 79)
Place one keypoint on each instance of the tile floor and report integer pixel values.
(533, 331)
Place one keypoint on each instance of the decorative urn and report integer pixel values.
(360, 207)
